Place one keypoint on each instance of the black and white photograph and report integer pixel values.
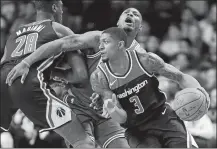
(108, 74)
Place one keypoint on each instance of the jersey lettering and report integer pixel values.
(30, 45)
(137, 104)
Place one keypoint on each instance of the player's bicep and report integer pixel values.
(156, 65)
(100, 84)
(171, 72)
(81, 41)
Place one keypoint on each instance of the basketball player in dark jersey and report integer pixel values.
(126, 79)
(84, 41)
(130, 17)
(34, 97)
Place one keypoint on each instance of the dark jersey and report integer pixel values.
(93, 60)
(27, 39)
(137, 90)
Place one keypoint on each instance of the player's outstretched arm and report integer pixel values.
(155, 64)
(111, 105)
(43, 52)
(78, 73)
(68, 43)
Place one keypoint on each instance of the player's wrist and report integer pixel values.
(26, 63)
(110, 106)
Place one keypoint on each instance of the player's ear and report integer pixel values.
(54, 8)
(121, 44)
(140, 28)
(118, 22)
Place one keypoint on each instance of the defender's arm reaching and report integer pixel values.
(68, 43)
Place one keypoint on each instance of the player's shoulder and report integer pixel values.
(149, 56)
(61, 30)
(97, 74)
(151, 61)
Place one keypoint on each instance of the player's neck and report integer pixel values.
(130, 38)
(120, 63)
(44, 16)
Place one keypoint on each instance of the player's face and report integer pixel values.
(108, 47)
(58, 12)
(130, 20)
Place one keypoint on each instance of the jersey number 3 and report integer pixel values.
(29, 43)
(137, 104)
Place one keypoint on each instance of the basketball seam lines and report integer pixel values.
(187, 93)
(196, 111)
(188, 103)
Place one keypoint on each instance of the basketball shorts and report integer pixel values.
(164, 130)
(103, 131)
(35, 99)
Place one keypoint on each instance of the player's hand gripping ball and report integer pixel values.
(191, 104)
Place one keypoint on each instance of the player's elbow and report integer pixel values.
(187, 81)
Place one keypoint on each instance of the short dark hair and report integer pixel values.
(45, 5)
(117, 32)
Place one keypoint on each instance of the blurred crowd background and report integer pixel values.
(182, 32)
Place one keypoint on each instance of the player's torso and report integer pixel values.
(92, 59)
(137, 90)
(27, 39)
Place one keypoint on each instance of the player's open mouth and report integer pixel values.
(129, 21)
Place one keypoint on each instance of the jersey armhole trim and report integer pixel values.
(140, 65)
(94, 55)
(105, 74)
(127, 72)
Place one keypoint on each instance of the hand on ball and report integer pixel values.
(206, 94)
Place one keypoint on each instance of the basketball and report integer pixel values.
(190, 104)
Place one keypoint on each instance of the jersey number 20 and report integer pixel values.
(137, 104)
(29, 43)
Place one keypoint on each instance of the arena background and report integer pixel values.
(182, 32)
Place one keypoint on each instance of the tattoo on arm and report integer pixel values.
(158, 66)
(171, 72)
(72, 43)
(82, 41)
(100, 84)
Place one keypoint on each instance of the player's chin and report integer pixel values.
(128, 28)
(104, 59)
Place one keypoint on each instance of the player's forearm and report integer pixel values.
(45, 51)
(68, 43)
(188, 81)
(118, 115)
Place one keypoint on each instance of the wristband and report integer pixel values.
(25, 63)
